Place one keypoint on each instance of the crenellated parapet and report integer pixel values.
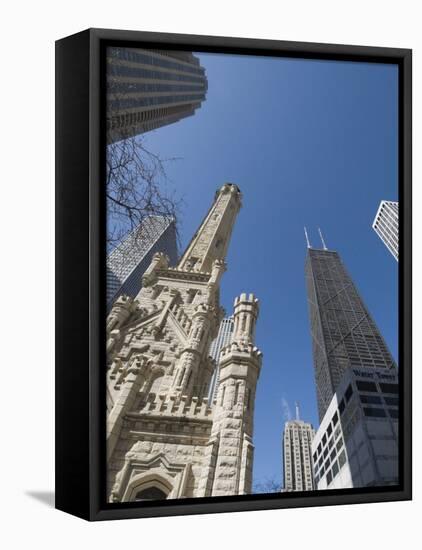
(240, 347)
(241, 355)
(246, 311)
(180, 406)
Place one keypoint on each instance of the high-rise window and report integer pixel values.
(386, 226)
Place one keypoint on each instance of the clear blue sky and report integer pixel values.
(309, 143)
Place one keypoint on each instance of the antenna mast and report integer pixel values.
(307, 238)
(297, 410)
(322, 239)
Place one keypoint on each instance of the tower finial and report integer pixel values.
(297, 410)
(322, 239)
(307, 238)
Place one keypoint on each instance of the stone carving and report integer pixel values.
(161, 430)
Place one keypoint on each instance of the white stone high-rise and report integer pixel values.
(297, 455)
(164, 439)
(386, 226)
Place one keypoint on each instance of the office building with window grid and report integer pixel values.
(386, 226)
(223, 338)
(297, 455)
(147, 89)
(356, 444)
(344, 335)
(128, 261)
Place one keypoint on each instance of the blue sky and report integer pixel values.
(309, 143)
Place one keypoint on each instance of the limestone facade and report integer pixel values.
(164, 439)
(297, 456)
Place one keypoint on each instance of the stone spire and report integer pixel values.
(212, 239)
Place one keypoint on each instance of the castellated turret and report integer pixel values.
(246, 310)
(239, 365)
(164, 439)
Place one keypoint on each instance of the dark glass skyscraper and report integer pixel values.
(147, 89)
(128, 261)
(344, 335)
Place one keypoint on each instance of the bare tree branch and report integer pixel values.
(136, 182)
(268, 485)
(136, 187)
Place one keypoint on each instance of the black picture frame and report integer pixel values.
(80, 273)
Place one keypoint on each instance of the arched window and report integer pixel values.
(223, 391)
(236, 393)
(150, 493)
(248, 398)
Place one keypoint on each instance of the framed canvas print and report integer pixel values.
(233, 274)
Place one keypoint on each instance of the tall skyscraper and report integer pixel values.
(386, 226)
(344, 334)
(297, 455)
(164, 439)
(128, 261)
(224, 337)
(147, 89)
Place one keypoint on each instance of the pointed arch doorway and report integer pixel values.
(153, 485)
(150, 493)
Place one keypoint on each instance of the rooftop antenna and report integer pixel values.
(322, 239)
(297, 410)
(307, 238)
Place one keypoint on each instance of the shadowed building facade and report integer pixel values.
(164, 438)
(224, 337)
(344, 335)
(357, 442)
(128, 261)
(147, 89)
